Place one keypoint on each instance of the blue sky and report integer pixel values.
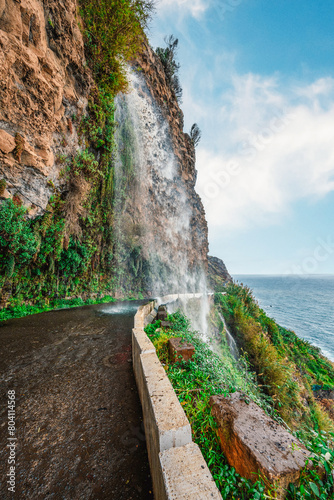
(258, 78)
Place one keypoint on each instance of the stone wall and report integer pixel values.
(178, 469)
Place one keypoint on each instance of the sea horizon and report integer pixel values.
(302, 303)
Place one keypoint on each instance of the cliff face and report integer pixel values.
(161, 219)
(218, 274)
(44, 86)
(183, 147)
(89, 223)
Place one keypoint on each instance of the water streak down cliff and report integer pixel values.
(139, 223)
(160, 209)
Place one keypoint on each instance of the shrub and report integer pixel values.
(195, 134)
(113, 34)
(16, 235)
(285, 365)
(209, 373)
(171, 67)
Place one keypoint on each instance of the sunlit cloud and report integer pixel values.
(274, 146)
(195, 7)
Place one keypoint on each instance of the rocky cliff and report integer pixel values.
(74, 222)
(184, 149)
(218, 274)
(44, 86)
(162, 211)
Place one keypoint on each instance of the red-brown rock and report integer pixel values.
(180, 350)
(162, 313)
(255, 444)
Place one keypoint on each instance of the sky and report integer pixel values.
(258, 79)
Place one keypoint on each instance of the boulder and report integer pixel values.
(7, 142)
(162, 313)
(180, 350)
(254, 444)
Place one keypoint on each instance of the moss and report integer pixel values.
(19, 141)
(3, 185)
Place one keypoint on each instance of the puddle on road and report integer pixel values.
(118, 309)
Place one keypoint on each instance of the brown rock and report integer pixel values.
(7, 142)
(5, 195)
(255, 444)
(162, 313)
(43, 78)
(180, 350)
(217, 275)
(166, 324)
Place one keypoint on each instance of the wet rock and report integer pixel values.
(180, 350)
(162, 313)
(255, 444)
(194, 248)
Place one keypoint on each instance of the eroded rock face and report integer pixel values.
(255, 444)
(43, 91)
(150, 66)
(218, 274)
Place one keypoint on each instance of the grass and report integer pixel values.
(287, 367)
(209, 374)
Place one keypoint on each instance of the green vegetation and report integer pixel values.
(113, 31)
(286, 367)
(208, 374)
(69, 252)
(171, 67)
(195, 134)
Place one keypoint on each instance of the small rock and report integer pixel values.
(180, 350)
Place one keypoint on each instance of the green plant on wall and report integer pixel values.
(70, 249)
(113, 31)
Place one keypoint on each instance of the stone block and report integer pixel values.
(142, 313)
(180, 350)
(140, 344)
(7, 142)
(166, 425)
(168, 418)
(253, 443)
(186, 475)
(162, 313)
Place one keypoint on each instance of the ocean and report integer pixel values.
(304, 304)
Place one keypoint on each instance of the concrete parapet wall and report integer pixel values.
(178, 468)
(186, 475)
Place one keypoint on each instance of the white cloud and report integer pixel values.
(194, 7)
(274, 146)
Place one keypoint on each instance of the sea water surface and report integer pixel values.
(304, 304)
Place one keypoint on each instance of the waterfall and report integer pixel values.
(196, 307)
(230, 340)
(152, 210)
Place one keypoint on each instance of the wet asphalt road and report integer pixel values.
(78, 415)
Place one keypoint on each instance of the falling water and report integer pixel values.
(197, 309)
(229, 339)
(152, 208)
